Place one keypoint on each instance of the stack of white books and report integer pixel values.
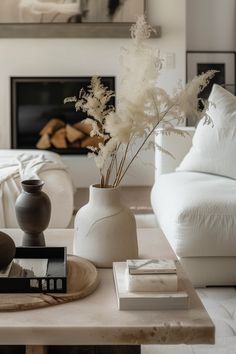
(148, 284)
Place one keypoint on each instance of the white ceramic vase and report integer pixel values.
(105, 229)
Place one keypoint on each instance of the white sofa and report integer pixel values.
(197, 213)
(58, 186)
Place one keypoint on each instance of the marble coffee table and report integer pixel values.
(95, 324)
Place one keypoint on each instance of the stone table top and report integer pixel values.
(96, 318)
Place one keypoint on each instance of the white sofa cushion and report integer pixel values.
(213, 149)
(197, 213)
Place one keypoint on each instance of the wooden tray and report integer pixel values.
(82, 280)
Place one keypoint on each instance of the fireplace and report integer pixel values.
(37, 107)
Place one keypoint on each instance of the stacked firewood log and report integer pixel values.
(58, 134)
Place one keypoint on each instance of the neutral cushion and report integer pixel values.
(213, 149)
(197, 213)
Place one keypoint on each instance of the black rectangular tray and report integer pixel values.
(54, 283)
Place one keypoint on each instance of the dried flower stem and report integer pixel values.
(102, 181)
(142, 107)
(118, 173)
(116, 182)
(109, 170)
(113, 161)
(143, 143)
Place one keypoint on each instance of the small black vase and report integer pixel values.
(33, 211)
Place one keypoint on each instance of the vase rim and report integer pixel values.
(32, 185)
(32, 182)
(97, 186)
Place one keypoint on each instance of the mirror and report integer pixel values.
(68, 18)
(69, 11)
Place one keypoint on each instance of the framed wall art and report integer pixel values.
(198, 62)
(68, 18)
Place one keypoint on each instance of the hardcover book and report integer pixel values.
(145, 300)
(151, 266)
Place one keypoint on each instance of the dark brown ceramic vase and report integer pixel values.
(33, 211)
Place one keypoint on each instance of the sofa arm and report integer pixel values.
(177, 145)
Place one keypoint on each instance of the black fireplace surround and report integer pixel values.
(37, 100)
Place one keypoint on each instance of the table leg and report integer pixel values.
(12, 349)
(35, 349)
(95, 349)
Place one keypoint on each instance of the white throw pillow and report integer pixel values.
(214, 148)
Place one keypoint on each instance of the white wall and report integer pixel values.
(211, 25)
(70, 57)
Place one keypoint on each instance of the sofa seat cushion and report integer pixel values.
(197, 213)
